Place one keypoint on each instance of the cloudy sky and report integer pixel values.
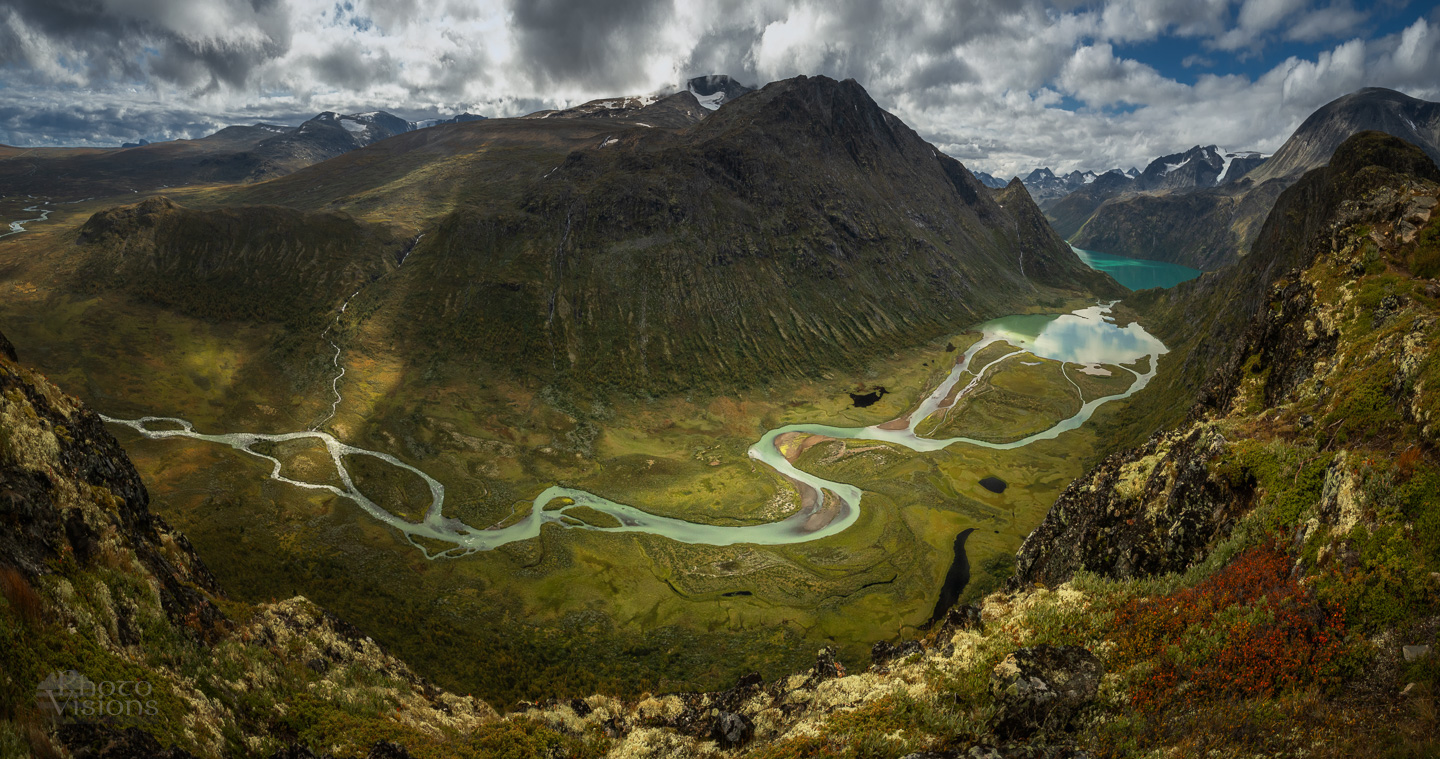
(1004, 86)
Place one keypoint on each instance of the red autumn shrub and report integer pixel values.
(21, 597)
(1248, 630)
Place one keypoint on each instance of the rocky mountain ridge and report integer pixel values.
(1211, 227)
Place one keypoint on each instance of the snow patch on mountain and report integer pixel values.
(1173, 167)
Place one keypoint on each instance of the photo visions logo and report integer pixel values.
(70, 696)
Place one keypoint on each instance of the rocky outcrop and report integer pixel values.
(1146, 511)
(1161, 506)
(87, 567)
(68, 491)
(1043, 688)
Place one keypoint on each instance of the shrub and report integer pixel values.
(1249, 630)
(24, 602)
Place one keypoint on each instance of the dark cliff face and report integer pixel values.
(1261, 331)
(1044, 255)
(60, 447)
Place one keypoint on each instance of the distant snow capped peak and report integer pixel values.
(1171, 168)
(714, 90)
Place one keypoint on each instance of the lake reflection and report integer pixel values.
(1083, 337)
(1137, 273)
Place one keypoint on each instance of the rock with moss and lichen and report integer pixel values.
(1043, 688)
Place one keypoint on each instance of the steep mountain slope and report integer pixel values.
(253, 263)
(1209, 228)
(798, 227)
(1205, 229)
(1373, 108)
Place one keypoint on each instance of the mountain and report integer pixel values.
(210, 263)
(328, 135)
(1196, 167)
(677, 110)
(323, 137)
(1373, 108)
(1209, 227)
(459, 118)
(1069, 212)
(665, 108)
(1046, 187)
(73, 173)
(233, 154)
(989, 180)
(646, 258)
(659, 259)
(715, 90)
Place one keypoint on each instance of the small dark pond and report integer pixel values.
(993, 484)
(861, 400)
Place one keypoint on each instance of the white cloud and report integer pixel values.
(983, 80)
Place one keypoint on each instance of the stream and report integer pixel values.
(16, 227)
(1087, 337)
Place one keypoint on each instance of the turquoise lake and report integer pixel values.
(1137, 273)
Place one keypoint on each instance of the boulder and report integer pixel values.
(1043, 688)
(826, 666)
(962, 618)
(1411, 653)
(732, 730)
(884, 651)
(388, 750)
(93, 740)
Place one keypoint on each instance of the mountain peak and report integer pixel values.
(1372, 108)
(714, 90)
